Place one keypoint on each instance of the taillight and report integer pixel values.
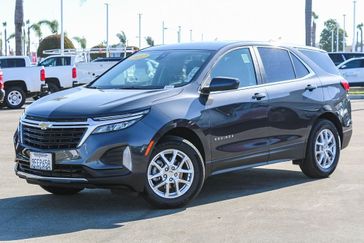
(74, 73)
(345, 85)
(42, 74)
(1, 80)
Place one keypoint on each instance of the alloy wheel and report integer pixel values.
(170, 173)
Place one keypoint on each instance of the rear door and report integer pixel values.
(238, 118)
(295, 97)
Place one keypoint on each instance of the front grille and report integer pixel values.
(52, 138)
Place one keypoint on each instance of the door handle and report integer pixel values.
(310, 87)
(258, 96)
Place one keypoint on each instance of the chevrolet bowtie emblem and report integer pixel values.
(44, 126)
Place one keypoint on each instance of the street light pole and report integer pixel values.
(344, 42)
(140, 30)
(107, 29)
(337, 37)
(179, 34)
(354, 28)
(332, 40)
(163, 29)
(191, 35)
(62, 32)
(6, 42)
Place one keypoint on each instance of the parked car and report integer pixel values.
(21, 80)
(340, 57)
(60, 70)
(353, 71)
(168, 117)
(2, 91)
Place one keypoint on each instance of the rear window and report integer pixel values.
(322, 59)
(337, 58)
(12, 63)
(277, 64)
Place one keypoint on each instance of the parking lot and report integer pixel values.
(269, 204)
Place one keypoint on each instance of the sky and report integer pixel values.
(260, 20)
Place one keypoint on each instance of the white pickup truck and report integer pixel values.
(63, 70)
(21, 80)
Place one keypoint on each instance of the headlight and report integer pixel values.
(115, 123)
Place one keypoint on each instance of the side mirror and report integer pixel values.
(221, 84)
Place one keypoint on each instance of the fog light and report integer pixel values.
(127, 159)
(66, 155)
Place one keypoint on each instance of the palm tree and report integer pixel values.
(81, 41)
(37, 31)
(315, 17)
(308, 20)
(149, 40)
(18, 20)
(360, 28)
(52, 25)
(122, 37)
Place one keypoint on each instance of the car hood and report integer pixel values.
(84, 102)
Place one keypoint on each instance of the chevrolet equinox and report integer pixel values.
(163, 120)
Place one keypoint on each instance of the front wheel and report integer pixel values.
(175, 174)
(323, 151)
(61, 190)
(14, 97)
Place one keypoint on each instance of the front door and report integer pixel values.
(238, 118)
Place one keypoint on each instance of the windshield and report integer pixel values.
(154, 70)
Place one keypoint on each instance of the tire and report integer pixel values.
(188, 181)
(61, 190)
(323, 150)
(14, 97)
(52, 88)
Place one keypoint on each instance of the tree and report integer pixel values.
(53, 42)
(315, 17)
(360, 28)
(330, 26)
(52, 25)
(18, 20)
(149, 41)
(81, 41)
(308, 21)
(122, 37)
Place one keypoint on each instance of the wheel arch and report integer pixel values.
(17, 83)
(53, 81)
(334, 119)
(185, 130)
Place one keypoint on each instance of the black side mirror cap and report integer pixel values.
(221, 84)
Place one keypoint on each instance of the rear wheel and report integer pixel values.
(323, 151)
(61, 190)
(175, 174)
(52, 88)
(14, 97)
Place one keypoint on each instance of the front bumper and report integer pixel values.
(87, 165)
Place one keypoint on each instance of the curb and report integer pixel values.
(356, 97)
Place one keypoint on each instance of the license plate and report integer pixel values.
(41, 161)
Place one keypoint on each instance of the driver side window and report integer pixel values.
(236, 64)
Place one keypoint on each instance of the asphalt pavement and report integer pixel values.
(275, 203)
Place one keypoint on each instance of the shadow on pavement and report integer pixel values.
(47, 215)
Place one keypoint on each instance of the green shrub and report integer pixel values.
(53, 42)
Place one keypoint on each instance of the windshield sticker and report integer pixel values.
(169, 87)
(139, 56)
(245, 58)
